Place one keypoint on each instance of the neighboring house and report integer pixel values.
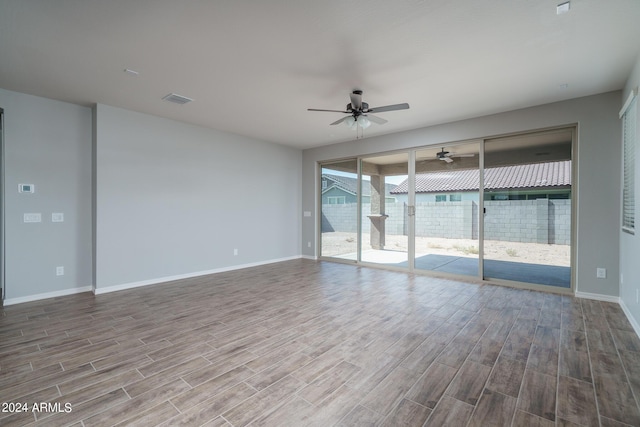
(340, 190)
(551, 180)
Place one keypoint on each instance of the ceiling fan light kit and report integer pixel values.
(353, 123)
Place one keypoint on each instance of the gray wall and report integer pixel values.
(48, 144)
(630, 244)
(175, 199)
(597, 192)
(168, 198)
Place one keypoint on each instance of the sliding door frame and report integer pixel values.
(574, 204)
(411, 153)
(3, 265)
(411, 202)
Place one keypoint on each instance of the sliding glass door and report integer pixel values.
(527, 204)
(385, 219)
(499, 209)
(339, 210)
(447, 203)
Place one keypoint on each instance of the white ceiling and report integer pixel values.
(254, 67)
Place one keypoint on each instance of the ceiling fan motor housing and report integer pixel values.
(363, 109)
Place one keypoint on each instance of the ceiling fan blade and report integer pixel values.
(376, 119)
(356, 99)
(337, 122)
(463, 155)
(446, 159)
(393, 107)
(329, 111)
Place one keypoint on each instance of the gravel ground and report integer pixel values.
(339, 243)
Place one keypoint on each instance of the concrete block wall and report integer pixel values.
(340, 218)
(452, 220)
(343, 218)
(511, 221)
(528, 221)
(560, 222)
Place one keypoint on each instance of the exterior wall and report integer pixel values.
(528, 221)
(340, 218)
(560, 222)
(337, 192)
(454, 220)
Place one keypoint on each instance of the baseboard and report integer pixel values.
(598, 297)
(47, 295)
(627, 312)
(311, 257)
(156, 281)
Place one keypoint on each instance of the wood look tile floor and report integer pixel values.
(316, 343)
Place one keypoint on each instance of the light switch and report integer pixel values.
(26, 188)
(307, 213)
(57, 217)
(32, 217)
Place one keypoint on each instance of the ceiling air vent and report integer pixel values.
(177, 99)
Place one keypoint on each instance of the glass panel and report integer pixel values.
(385, 220)
(447, 189)
(527, 200)
(339, 226)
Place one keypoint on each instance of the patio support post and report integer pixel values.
(377, 217)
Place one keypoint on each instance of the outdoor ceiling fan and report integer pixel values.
(359, 112)
(448, 156)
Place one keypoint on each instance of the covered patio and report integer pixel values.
(540, 264)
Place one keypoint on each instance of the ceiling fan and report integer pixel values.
(448, 156)
(359, 113)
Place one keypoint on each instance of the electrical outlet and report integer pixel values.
(60, 271)
(57, 217)
(235, 252)
(308, 244)
(601, 273)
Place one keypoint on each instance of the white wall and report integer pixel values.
(630, 244)
(174, 199)
(48, 144)
(598, 166)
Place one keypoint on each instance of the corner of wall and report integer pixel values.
(94, 192)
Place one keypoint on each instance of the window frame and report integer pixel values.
(340, 200)
(629, 117)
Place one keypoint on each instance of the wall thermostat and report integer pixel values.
(26, 188)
